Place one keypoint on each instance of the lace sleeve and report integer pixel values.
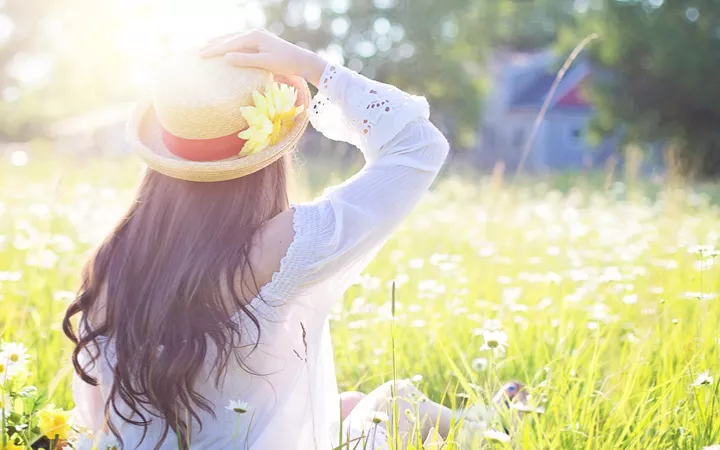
(337, 234)
(362, 112)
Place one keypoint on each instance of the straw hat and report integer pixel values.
(189, 128)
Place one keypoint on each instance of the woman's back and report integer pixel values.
(278, 381)
(285, 373)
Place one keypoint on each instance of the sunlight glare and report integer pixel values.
(182, 24)
(160, 27)
(19, 158)
(6, 28)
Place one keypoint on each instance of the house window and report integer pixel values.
(576, 135)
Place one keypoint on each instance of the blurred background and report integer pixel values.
(71, 70)
(601, 263)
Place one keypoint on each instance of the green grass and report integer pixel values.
(592, 287)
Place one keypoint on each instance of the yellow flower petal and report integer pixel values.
(54, 422)
(272, 110)
(271, 117)
(12, 446)
(278, 98)
(248, 111)
(247, 134)
(260, 102)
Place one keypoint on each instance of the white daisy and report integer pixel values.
(494, 339)
(379, 417)
(238, 406)
(479, 364)
(496, 436)
(703, 379)
(712, 447)
(15, 354)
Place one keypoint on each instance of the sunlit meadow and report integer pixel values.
(607, 299)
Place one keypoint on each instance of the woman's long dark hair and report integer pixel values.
(168, 274)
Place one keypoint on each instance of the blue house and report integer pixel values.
(521, 83)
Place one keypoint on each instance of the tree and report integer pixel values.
(662, 60)
(532, 24)
(427, 47)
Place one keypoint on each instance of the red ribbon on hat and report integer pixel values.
(203, 149)
(211, 149)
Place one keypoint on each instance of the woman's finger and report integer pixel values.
(237, 43)
(240, 59)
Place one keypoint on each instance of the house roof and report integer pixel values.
(575, 97)
(534, 95)
(567, 95)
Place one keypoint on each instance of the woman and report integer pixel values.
(215, 291)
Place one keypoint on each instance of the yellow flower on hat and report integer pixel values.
(271, 118)
(54, 422)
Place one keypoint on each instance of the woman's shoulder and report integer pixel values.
(269, 246)
(291, 253)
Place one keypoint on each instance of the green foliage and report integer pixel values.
(662, 60)
(432, 48)
(610, 317)
(529, 24)
(427, 47)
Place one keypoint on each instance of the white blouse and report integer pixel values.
(293, 399)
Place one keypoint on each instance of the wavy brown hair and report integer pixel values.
(168, 276)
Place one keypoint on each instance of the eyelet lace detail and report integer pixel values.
(363, 112)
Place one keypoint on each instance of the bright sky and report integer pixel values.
(145, 30)
(186, 23)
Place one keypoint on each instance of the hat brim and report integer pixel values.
(145, 137)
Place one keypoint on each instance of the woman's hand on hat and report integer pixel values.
(262, 49)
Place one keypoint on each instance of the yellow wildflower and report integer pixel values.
(54, 422)
(12, 446)
(271, 118)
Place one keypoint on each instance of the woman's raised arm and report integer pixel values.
(337, 235)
